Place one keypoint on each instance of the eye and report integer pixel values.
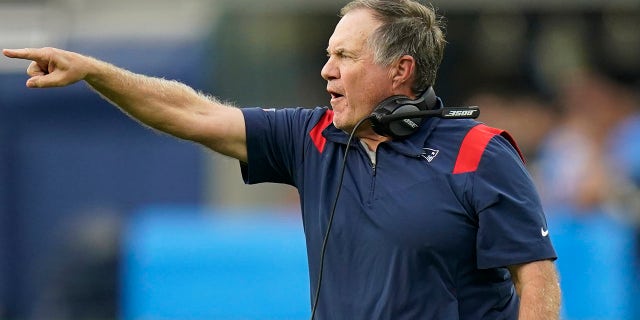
(339, 54)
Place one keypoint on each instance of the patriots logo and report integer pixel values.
(429, 154)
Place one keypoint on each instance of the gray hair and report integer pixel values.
(408, 28)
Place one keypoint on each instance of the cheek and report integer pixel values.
(366, 88)
(368, 98)
(375, 88)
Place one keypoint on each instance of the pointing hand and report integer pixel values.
(50, 67)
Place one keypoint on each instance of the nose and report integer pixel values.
(330, 71)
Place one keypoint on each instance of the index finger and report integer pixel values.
(27, 53)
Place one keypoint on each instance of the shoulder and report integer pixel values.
(477, 141)
(284, 119)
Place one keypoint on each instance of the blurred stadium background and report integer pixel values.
(103, 219)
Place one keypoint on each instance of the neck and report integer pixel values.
(372, 139)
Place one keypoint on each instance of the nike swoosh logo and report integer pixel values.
(544, 232)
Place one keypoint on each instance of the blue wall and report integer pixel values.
(181, 263)
(597, 265)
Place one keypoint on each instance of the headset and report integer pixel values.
(399, 116)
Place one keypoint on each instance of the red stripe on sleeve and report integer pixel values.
(474, 144)
(316, 132)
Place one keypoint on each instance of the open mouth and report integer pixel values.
(335, 95)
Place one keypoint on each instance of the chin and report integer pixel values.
(340, 124)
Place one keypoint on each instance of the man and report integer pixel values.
(442, 224)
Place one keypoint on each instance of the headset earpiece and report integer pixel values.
(395, 105)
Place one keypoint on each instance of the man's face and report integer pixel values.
(355, 82)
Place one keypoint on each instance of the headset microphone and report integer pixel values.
(399, 116)
(470, 112)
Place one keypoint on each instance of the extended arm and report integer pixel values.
(537, 285)
(168, 106)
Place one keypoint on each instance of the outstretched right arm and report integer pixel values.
(165, 105)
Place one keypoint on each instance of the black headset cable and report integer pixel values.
(333, 211)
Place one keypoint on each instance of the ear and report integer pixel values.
(403, 71)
